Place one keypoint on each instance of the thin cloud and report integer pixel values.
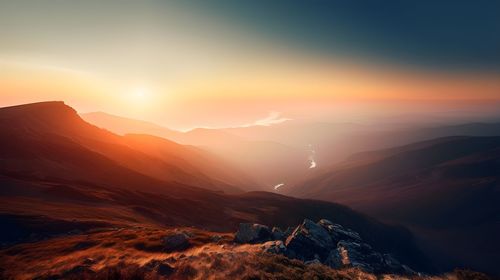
(274, 117)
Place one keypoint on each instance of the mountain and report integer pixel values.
(281, 153)
(60, 175)
(52, 123)
(266, 161)
(136, 131)
(122, 125)
(198, 158)
(445, 190)
(334, 142)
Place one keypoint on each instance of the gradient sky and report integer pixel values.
(225, 63)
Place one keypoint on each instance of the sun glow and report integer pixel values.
(141, 94)
(139, 101)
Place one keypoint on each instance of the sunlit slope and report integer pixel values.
(42, 126)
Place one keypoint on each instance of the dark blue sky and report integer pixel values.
(453, 35)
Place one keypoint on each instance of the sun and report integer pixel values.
(139, 98)
(141, 93)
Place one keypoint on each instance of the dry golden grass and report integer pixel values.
(131, 246)
(136, 253)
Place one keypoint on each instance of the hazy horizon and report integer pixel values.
(188, 64)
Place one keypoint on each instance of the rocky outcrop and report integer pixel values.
(309, 241)
(275, 247)
(338, 232)
(277, 234)
(252, 233)
(323, 242)
(177, 241)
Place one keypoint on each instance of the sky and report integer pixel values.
(186, 64)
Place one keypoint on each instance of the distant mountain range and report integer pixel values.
(59, 174)
(446, 190)
(281, 153)
(259, 158)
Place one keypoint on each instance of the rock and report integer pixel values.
(275, 247)
(288, 232)
(309, 241)
(277, 234)
(176, 241)
(152, 264)
(334, 259)
(392, 265)
(322, 242)
(315, 261)
(360, 255)
(161, 267)
(164, 269)
(325, 222)
(216, 238)
(170, 260)
(338, 232)
(189, 234)
(252, 233)
(89, 261)
(78, 270)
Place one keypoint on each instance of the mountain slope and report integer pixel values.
(198, 158)
(122, 125)
(43, 123)
(446, 190)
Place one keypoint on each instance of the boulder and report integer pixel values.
(275, 247)
(334, 259)
(309, 241)
(338, 232)
(161, 267)
(252, 233)
(277, 234)
(360, 255)
(288, 232)
(322, 242)
(164, 269)
(216, 238)
(176, 241)
(88, 261)
(315, 261)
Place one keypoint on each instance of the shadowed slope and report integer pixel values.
(446, 190)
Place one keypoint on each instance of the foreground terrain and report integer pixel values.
(148, 253)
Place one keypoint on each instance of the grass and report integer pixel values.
(136, 253)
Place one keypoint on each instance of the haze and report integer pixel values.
(186, 64)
